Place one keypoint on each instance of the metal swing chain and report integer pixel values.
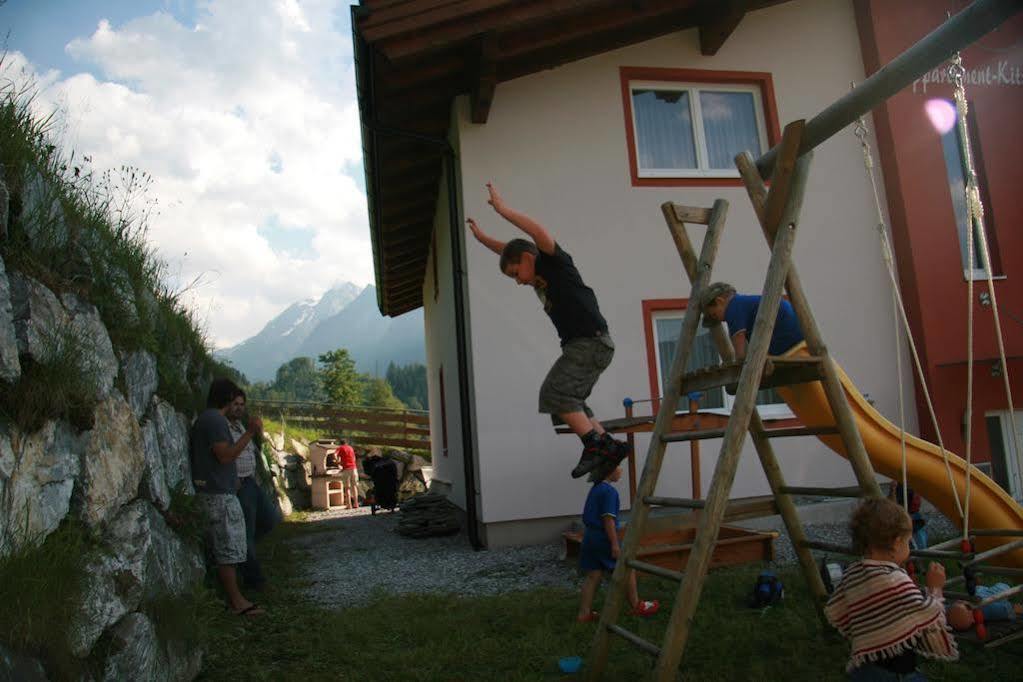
(860, 130)
(975, 217)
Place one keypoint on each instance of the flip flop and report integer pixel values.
(250, 611)
(588, 618)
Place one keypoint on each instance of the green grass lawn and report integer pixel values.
(520, 636)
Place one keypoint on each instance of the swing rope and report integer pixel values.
(860, 131)
(975, 219)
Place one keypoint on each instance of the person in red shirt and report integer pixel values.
(349, 475)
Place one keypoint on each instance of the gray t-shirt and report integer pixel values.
(209, 475)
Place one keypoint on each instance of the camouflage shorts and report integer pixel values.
(225, 527)
(574, 374)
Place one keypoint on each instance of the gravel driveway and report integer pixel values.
(353, 556)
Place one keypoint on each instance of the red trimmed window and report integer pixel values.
(662, 323)
(684, 126)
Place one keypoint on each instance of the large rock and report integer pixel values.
(276, 440)
(98, 358)
(18, 668)
(141, 558)
(154, 478)
(39, 471)
(115, 580)
(138, 370)
(172, 435)
(135, 651)
(40, 321)
(10, 367)
(113, 462)
(300, 447)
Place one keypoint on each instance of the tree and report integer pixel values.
(377, 393)
(298, 379)
(339, 379)
(409, 384)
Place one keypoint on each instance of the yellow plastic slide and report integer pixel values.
(990, 505)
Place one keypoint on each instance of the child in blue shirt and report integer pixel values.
(960, 613)
(600, 548)
(720, 303)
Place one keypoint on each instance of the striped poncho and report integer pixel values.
(883, 613)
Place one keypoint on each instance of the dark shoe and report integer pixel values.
(592, 454)
(617, 451)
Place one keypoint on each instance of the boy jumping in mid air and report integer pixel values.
(586, 346)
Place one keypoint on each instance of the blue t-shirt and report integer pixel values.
(602, 500)
(741, 313)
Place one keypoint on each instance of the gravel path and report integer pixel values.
(352, 556)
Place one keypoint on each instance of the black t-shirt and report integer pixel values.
(209, 475)
(571, 305)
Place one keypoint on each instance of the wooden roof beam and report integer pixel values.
(723, 16)
(564, 30)
(416, 17)
(521, 13)
(486, 78)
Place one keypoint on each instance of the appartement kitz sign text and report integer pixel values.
(1003, 73)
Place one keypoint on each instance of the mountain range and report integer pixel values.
(344, 317)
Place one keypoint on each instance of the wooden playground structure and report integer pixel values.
(778, 210)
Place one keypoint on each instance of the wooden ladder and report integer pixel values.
(778, 212)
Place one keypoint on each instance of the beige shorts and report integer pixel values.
(350, 476)
(225, 527)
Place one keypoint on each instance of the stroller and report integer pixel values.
(384, 473)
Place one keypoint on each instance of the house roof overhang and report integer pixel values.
(413, 57)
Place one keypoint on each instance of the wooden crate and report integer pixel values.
(669, 547)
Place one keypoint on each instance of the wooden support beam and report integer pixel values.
(486, 78)
(723, 18)
(959, 31)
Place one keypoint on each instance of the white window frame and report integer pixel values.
(772, 411)
(699, 138)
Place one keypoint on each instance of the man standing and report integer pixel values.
(261, 514)
(349, 475)
(215, 477)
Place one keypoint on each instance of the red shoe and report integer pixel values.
(645, 609)
(588, 618)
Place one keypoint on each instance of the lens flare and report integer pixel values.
(942, 114)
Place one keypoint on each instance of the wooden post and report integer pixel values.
(832, 384)
(694, 453)
(959, 31)
(685, 605)
(630, 437)
(655, 451)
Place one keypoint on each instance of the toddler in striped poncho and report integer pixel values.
(885, 616)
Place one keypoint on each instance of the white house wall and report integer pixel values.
(555, 145)
(441, 353)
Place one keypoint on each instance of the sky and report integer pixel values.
(243, 111)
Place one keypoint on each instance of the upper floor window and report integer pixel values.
(685, 127)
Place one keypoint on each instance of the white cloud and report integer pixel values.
(247, 115)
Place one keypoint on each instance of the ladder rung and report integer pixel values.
(787, 371)
(997, 551)
(654, 569)
(682, 502)
(684, 436)
(801, 431)
(938, 554)
(853, 491)
(636, 640)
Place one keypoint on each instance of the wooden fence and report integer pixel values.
(407, 429)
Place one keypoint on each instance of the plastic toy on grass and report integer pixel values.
(570, 664)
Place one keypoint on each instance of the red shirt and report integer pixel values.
(347, 456)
